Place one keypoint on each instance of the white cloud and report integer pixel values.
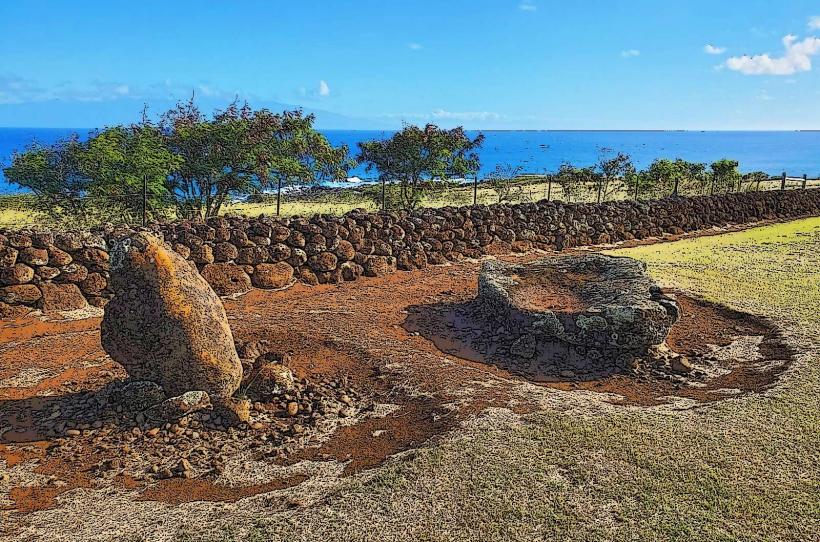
(814, 22)
(465, 115)
(527, 5)
(630, 53)
(713, 49)
(797, 58)
(415, 46)
(324, 89)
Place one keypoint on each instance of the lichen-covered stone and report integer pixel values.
(226, 278)
(272, 275)
(165, 324)
(61, 297)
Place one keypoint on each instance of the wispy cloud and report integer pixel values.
(324, 89)
(446, 115)
(15, 89)
(527, 5)
(630, 53)
(796, 58)
(814, 22)
(465, 115)
(415, 46)
(713, 49)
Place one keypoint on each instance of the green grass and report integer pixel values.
(743, 469)
(16, 211)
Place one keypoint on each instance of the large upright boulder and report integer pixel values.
(166, 325)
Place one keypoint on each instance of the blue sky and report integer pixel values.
(533, 64)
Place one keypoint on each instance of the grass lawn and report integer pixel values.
(741, 469)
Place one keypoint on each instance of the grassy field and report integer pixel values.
(743, 469)
(16, 211)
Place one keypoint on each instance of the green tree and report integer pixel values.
(502, 181)
(575, 181)
(124, 161)
(613, 169)
(415, 156)
(755, 178)
(241, 151)
(725, 175)
(55, 175)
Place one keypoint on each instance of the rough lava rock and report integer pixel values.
(166, 325)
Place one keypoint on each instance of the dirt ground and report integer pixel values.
(396, 340)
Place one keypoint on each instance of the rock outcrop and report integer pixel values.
(166, 325)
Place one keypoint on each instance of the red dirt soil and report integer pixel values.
(366, 331)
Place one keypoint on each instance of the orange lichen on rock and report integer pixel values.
(165, 323)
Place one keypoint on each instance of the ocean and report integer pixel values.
(538, 151)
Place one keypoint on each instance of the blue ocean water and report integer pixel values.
(539, 151)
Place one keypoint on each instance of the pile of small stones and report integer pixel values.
(196, 443)
(57, 271)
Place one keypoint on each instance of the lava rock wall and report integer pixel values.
(64, 270)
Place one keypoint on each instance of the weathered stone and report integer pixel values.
(46, 272)
(58, 258)
(378, 266)
(272, 379)
(344, 251)
(174, 408)
(324, 261)
(182, 250)
(94, 284)
(42, 239)
(225, 252)
(307, 276)
(18, 273)
(253, 255)
(73, 272)
(351, 271)
(61, 297)
(8, 256)
(20, 294)
(272, 275)
(585, 311)
(202, 254)
(226, 278)
(136, 396)
(165, 323)
(280, 252)
(33, 256)
(19, 240)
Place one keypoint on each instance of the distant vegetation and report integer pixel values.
(189, 164)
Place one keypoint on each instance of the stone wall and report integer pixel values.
(62, 271)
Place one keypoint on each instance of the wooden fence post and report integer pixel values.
(475, 190)
(805, 178)
(144, 201)
(783, 181)
(675, 190)
(549, 187)
(383, 182)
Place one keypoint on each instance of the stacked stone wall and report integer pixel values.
(65, 270)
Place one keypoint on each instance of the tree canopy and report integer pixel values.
(416, 154)
(189, 162)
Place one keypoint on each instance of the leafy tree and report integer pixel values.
(755, 178)
(613, 170)
(241, 151)
(295, 152)
(574, 181)
(417, 155)
(55, 175)
(725, 174)
(501, 180)
(122, 161)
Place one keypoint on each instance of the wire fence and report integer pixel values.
(26, 211)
